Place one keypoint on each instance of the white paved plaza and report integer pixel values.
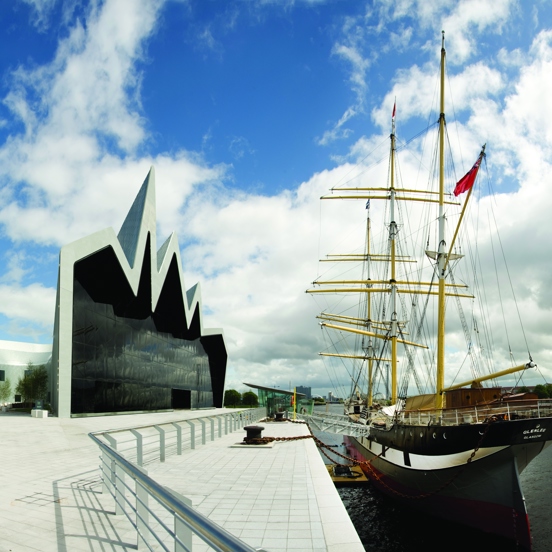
(280, 498)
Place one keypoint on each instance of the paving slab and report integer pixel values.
(280, 498)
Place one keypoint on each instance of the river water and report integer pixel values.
(385, 527)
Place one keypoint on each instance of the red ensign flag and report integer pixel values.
(466, 182)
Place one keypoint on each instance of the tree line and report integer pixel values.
(543, 391)
(235, 398)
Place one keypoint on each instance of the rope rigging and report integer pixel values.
(417, 319)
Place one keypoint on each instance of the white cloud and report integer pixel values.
(416, 91)
(514, 58)
(463, 21)
(531, 105)
(239, 146)
(255, 255)
(60, 170)
(470, 19)
(33, 303)
(350, 49)
(366, 38)
(41, 10)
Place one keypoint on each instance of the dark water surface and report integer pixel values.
(385, 527)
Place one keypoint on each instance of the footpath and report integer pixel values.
(279, 498)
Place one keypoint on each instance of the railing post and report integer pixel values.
(113, 444)
(182, 533)
(161, 442)
(107, 475)
(508, 409)
(119, 490)
(203, 431)
(212, 429)
(476, 418)
(178, 437)
(226, 424)
(139, 447)
(219, 427)
(142, 514)
(192, 434)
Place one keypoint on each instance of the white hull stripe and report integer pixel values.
(423, 462)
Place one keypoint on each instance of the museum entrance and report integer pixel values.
(181, 399)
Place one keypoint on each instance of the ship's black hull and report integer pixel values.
(435, 469)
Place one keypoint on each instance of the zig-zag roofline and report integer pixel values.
(130, 249)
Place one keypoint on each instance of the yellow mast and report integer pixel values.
(441, 258)
(370, 348)
(391, 329)
(392, 235)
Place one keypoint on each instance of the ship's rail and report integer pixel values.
(514, 410)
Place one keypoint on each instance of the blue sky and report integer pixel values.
(249, 111)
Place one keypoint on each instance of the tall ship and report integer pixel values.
(449, 445)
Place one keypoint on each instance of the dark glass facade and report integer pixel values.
(128, 334)
(126, 357)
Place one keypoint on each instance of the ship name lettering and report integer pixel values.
(539, 430)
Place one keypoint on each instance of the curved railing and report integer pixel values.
(148, 505)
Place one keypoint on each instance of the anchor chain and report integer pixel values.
(321, 445)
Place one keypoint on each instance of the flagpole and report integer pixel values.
(463, 211)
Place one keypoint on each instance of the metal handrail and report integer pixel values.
(229, 413)
(114, 466)
(172, 437)
(214, 535)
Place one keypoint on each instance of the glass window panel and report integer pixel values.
(122, 364)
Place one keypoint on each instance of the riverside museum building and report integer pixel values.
(128, 337)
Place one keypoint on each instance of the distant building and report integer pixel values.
(275, 400)
(15, 357)
(305, 390)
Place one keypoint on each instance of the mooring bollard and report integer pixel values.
(253, 432)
